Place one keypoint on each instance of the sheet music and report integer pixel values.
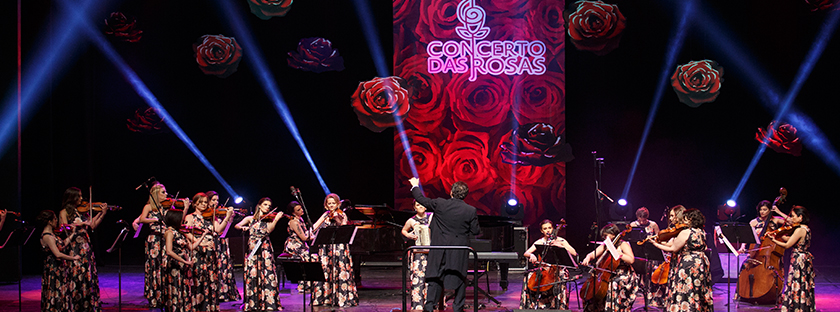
(614, 252)
(725, 240)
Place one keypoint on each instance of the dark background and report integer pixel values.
(76, 135)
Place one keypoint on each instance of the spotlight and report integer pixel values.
(621, 210)
(512, 202)
(622, 202)
(512, 208)
(731, 203)
(238, 200)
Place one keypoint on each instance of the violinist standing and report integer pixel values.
(799, 293)
(206, 266)
(556, 297)
(55, 283)
(299, 235)
(690, 280)
(624, 283)
(419, 257)
(336, 262)
(261, 283)
(152, 216)
(177, 265)
(227, 283)
(83, 276)
(454, 221)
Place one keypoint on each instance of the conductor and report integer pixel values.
(453, 222)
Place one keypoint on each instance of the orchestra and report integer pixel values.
(184, 272)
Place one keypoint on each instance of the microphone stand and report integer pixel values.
(299, 198)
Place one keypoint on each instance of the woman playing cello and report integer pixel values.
(799, 293)
(623, 282)
(553, 296)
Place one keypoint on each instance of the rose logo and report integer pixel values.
(781, 139)
(121, 28)
(266, 9)
(145, 121)
(596, 26)
(217, 55)
(535, 144)
(377, 102)
(697, 82)
(316, 55)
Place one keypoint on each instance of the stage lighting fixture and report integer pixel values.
(622, 202)
(512, 207)
(731, 203)
(619, 212)
(238, 200)
(512, 202)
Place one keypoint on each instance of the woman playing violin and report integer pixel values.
(418, 258)
(689, 281)
(206, 266)
(83, 272)
(299, 234)
(55, 283)
(336, 262)
(152, 216)
(799, 293)
(556, 297)
(624, 282)
(177, 270)
(227, 282)
(260, 275)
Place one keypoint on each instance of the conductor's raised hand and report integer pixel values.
(414, 181)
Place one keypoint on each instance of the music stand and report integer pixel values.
(118, 246)
(19, 237)
(555, 255)
(646, 252)
(739, 233)
(302, 272)
(333, 235)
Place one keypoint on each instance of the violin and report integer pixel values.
(191, 230)
(270, 216)
(13, 214)
(335, 214)
(96, 206)
(543, 279)
(178, 203)
(63, 229)
(221, 212)
(786, 230)
(666, 234)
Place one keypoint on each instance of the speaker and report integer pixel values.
(520, 244)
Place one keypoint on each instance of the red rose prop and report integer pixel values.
(505, 8)
(121, 28)
(316, 55)
(547, 23)
(438, 19)
(484, 102)
(697, 82)
(145, 121)
(425, 153)
(781, 139)
(535, 144)
(540, 98)
(466, 159)
(266, 9)
(217, 55)
(818, 5)
(596, 26)
(377, 102)
(427, 109)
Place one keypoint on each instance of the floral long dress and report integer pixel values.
(153, 289)
(555, 298)
(623, 287)
(799, 293)
(205, 270)
(690, 280)
(297, 247)
(177, 276)
(338, 271)
(84, 280)
(54, 289)
(227, 283)
(418, 270)
(261, 286)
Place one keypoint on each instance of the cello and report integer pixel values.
(597, 285)
(760, 280)
(544, 277)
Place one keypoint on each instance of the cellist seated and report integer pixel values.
(613, 283)
(537, 291)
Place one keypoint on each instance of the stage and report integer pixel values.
(379, 291)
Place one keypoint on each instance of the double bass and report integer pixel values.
(760, 280)
(598, 283)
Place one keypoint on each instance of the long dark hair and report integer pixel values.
(68, 201)
(802, 211)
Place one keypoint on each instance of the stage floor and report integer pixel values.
(379, 291)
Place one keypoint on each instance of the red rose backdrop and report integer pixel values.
(485, 102)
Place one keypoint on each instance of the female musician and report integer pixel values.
(206, 267)
(55, 288)
(658, 292)
(336, 262)
(83, 272)
(799, 293)
(227, 283)
(690, 280)
(178, 295)
(260, 277)
(556, 297)
(299, 235)
(764, 209)
(642, 221)
(152, 216)
(624, 283)
(418, 257)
